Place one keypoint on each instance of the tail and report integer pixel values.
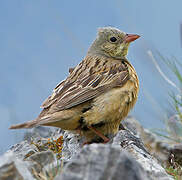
(29, 124)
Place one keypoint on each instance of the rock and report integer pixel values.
(176, 154)
(23, 159)
(159, 148)
(166, 151)
(135, 147)
(40, 132)
(98, 161)
(12, 168)
(72, 145)
(10, 171)
(123, 157)
(21, 149)
(42, 159)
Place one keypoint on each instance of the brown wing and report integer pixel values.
(92, 77)
(88, 80)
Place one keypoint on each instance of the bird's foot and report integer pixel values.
(105, 139)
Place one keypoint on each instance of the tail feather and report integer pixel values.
(29, 124)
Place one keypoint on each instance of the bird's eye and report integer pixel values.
(113, 39)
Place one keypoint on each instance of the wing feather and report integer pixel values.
(83, 85)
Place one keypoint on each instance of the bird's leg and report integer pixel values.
(99, 134)
(79, 131)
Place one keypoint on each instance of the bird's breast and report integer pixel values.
(115, 104)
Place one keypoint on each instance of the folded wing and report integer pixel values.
(83, 85)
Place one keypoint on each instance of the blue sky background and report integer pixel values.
(41, 39)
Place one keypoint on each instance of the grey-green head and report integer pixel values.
(111, 42)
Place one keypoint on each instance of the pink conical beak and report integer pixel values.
(131, 37)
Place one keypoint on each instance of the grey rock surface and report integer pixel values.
(135, 147)
(102, 162)
(40, 132)
(176, 153)
(115, 160)
(12, 168)
(124, 157)
(164, 150)
(6, 169)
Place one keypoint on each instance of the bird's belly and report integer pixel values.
(112, 106)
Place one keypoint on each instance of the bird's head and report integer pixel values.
(112, 42)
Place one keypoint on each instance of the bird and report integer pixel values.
(97, 94)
